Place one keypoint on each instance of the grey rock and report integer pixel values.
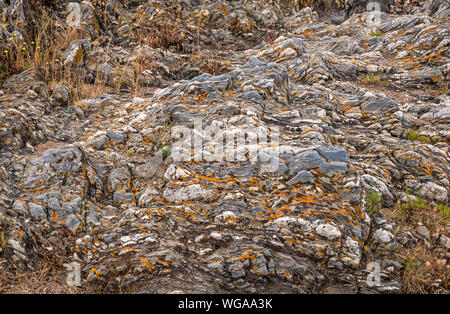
(122, 198)
(423, 232)
(333, 153)
(382, 105)
(305, 161)
(236, 271)
(302, 177)
(36, 211)
(61, 95)
(331, 168)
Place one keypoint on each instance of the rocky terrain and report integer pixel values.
(96, 99)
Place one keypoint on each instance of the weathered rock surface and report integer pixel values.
(107, 178)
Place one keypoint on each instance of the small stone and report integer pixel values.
(61, 95)
(333, 153)
(303, 176)
(383, 236)
(328, 231)
(237, 271)
(423, 232)
(36, 211)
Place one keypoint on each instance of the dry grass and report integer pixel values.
(50, 278)
(140, 64)
(441, 90)
(210, 62)
(162, 137)
(46, 276)
(425, 266)
(160, 36)
(43, 52)
(372, 79)
(40, 51)
(44, 49)
(424, 271)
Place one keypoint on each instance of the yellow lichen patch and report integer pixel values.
(304, 199)
(290, 240)
(230, 219)
(287, 275)
(146, 263)
(127, 249)
(96, 272)
(54, 217)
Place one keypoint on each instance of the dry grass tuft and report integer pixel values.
(425, 264)
(372, 79)
(49, 278)
(424, 271)
(160, 36)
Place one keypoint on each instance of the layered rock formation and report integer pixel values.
(306, 118)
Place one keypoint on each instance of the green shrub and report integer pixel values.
(372, 79)
(373, 203)
(377, 33)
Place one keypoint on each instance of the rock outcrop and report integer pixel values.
(268, 137)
